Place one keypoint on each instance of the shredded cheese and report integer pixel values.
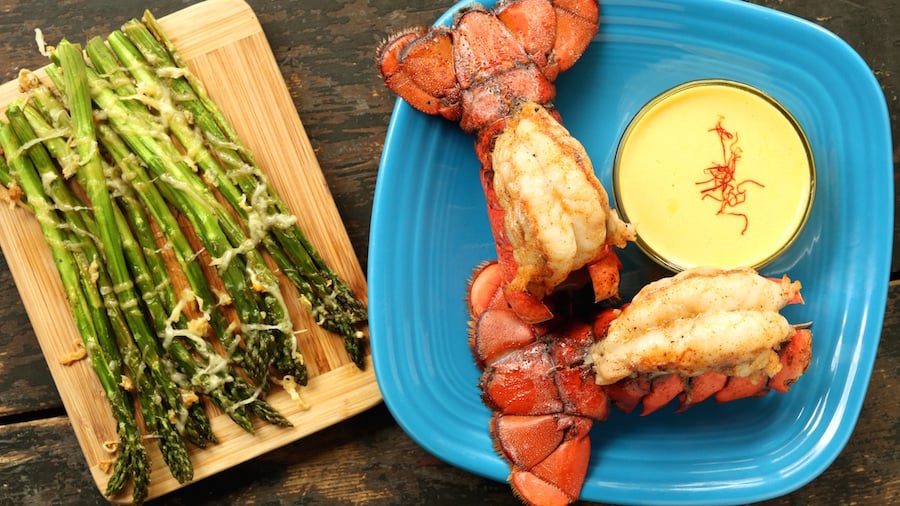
(43, 48)
(23, 149)
(126, 383)
(94, 269)
(215, 372)
(111, 446)
(224, 298)
(172, 72)
(261, 217)
(243, 402)
(14, 193)
(198, 326)
(290, 385)
(105, 465)
(189, 398)
(74, 356)
(27, 80)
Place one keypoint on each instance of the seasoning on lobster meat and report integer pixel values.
(556, 214)
(493, 72)
(675, 326)
(548, 383)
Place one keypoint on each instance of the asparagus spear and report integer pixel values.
(213, 377)
(81, 228)
(131, 461)
(192, 95)
(93, 178)
(30, 125)
(119, 295)
(279, 326)
(53, 111)
(6, 178)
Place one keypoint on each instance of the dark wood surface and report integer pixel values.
(325, 50)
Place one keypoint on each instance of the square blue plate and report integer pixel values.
(429, 229)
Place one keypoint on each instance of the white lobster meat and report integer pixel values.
(698, 321)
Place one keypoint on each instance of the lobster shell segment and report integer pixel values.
(417, 64)
(549, 455)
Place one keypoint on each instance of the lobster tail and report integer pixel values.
(493, 72)
(541, 383)
(417, 64)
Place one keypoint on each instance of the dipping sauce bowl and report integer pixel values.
(714, 173)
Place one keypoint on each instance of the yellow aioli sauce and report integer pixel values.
(670, 155)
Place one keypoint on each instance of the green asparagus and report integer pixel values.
(126, 155)
(81, 228)
(210, 374)
(93, 179)
(132, 463)
(332, 304)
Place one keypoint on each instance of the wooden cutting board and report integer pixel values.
(225, 46)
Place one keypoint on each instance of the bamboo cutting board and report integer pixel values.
(225, 46)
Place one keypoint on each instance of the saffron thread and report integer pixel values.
(723, 186)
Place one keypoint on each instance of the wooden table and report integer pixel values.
(325, 50)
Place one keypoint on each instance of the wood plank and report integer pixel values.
(25, 382)
(224, 45)
(44, 465)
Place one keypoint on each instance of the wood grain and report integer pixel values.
(225, 46)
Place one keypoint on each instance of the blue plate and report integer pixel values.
(429, 229)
